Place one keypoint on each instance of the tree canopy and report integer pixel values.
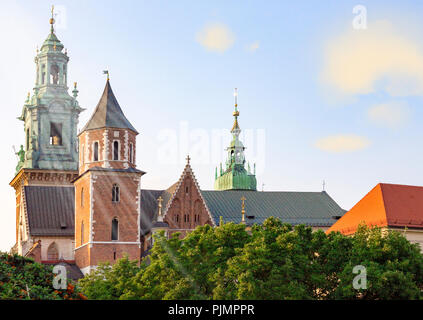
(270, 261)
(22, 278)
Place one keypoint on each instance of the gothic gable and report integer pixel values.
(187, 209)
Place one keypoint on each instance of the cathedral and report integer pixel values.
(79, 195)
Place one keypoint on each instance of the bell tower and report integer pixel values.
(108, 189)
(50, 115)
(235, 176)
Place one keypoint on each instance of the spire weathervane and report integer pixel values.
(236, 112)
(106, 72)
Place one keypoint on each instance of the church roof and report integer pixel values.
(50, 210)
(108, 113)
(386, 205)
(315, 209)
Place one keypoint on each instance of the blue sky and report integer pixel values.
(320, 100)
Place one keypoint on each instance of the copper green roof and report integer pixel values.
(108, 113)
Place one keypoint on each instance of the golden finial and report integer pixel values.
(236, 113)
(243, 209)
(52, 19)
(75, 84)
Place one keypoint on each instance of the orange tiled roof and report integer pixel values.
(391, 205)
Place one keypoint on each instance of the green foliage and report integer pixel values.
(22, 278)
(109, 282)
(271, 261)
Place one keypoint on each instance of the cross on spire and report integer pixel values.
(160, 200)
(243, 209)
(188, 159)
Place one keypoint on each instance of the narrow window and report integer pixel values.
(116, 150)
(115, 229)
(27, 139)
(55, 134)
(114, 255)
(177, 218)
(82, 197)
(115, 193)
(82, 233)
(186, 190)
(131, 153)
(95, 151)
(43, 74)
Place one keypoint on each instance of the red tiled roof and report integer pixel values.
(391, 205)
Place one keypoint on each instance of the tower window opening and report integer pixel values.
(43, 74)
(95, 151)
(115, 193)
(54, 74)
(116, 150)
(186, 190)
(115, 229)
(55, 134)
(131, 153)
(27, 139)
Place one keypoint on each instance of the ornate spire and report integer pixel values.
(236, 113)
(235, 176)
(52, 21)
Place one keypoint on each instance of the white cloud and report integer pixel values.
(253, 47)
(216, 37)
(342, 143)
(379, 57)
(391, 114)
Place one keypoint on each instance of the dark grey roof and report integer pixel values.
(72, 270)
(309, 208)
(148, 209)
(108, 113)
(160, 224)
(149, 206)
(50, 210)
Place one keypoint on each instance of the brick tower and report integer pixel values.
(107, 191)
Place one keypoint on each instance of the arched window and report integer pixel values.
(82, 197)
(131, 153)
(95, 151)
(115, 193)
(52, 252)
(82, 233)
(115, 229)
(115, 150)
